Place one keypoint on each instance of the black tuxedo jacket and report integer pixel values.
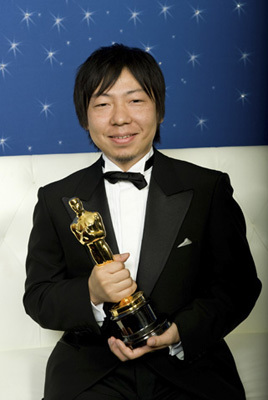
(206, 284)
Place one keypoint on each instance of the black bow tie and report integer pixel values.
(136, 178)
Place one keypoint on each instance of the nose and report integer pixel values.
(120, 115)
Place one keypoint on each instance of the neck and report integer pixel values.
(125, 164)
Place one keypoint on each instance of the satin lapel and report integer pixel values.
(164, 216)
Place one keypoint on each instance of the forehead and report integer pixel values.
(125, 84)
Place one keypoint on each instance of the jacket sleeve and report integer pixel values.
(229, 286)
(53, 298)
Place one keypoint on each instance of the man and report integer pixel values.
(180, 239)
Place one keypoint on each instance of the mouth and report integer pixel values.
(122, 139)
(122, 136)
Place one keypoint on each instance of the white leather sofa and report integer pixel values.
(25, 347)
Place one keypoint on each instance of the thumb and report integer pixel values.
(121, 257)
(155, 341)
(169, 337)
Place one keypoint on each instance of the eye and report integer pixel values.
(137, 101)
(100, 105)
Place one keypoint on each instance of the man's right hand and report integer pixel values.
(111, 282)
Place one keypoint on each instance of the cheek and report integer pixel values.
(95, 125)
(150, 124)
(149, 118)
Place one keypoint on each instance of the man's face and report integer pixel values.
(122, 121)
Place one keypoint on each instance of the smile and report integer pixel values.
(122, 137)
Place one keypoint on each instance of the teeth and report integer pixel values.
(122, 137)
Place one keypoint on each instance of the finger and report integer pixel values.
(131, 354)
(111, 267)
(122, 283)
(116, 350)
(124, 352)
(126, 293)
(116, 265)
(121, 257)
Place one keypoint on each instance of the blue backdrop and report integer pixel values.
(213, 54)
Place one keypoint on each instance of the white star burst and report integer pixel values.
(165, 10)
(239, 7)
(58, 22)
(243, 97)
(197, 14)
(3, 143)
(88, 16)
(27, 17)
(244, 57)
(51, 56)
(135, 16)
(201, 122)
(3, 68)
(193, 58)
(148, 48)
(45, 108)
(14, 47)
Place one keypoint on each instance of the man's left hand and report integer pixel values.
(169, 337)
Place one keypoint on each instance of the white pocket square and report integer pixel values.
(185, 242)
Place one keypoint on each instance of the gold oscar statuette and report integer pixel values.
(134, 315)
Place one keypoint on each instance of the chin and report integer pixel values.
(124, 158)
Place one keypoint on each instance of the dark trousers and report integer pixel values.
(133, 380)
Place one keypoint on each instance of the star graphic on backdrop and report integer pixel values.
(14, 47)
(27, 17)
(88, 16)
(239, 7)
(29, 148)
(193, 58)
(201, 122)
(197, 14)
(58, 22)
(3, 68)
(135, 16)
(243, 97)
(165, 10)
(45, 108)
(3, 143)
(245, 57)
(51, 56)
(147, 48)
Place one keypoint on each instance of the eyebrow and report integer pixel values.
(127, 93)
